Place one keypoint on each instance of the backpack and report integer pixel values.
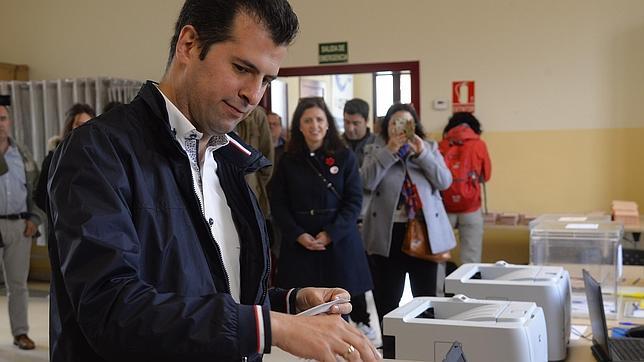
(464, 194)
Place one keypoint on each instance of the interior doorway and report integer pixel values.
(380, 84)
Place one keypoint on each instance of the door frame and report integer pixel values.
(412, 66)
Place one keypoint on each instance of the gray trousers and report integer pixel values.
(15, 259)
(470, 231)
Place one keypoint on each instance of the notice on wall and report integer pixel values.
(334, 53)
(463, 96)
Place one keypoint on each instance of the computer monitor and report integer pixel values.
(596, 312)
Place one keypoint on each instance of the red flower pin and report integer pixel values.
(330, 161)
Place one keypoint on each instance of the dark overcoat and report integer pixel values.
(136, 273)
(302, 203)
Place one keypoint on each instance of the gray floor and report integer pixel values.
(39, 324)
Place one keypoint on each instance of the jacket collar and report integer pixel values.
(237, 151)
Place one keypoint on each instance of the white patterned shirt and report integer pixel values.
(212, 200)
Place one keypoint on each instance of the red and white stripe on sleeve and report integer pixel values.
(259, 322)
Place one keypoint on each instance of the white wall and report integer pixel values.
(547, 64)
(77, 38)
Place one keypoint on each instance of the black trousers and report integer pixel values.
(389, 274)
(359, 313)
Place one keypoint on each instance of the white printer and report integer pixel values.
(427, 328)
(548, 286)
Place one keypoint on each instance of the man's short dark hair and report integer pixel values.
(5, 100)
(213, 21)
(357, 106)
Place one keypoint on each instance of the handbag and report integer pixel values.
(416, 243)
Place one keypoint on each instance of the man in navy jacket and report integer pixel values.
(158, 247)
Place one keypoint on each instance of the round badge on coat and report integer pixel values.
(334, 170)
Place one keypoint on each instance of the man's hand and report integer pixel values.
(309, 242)
(30, 229)
(321, 337)
(310, 297)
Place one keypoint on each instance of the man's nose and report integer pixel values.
(252, 91)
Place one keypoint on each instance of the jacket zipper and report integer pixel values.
(212, 239)
(268, 260)
(203, 218)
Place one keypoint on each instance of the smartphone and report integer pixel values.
(405, 126)
(399, 125)
(410, 129)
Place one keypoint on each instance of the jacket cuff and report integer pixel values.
(284, 300)
(293, 234)
(254, 329)
(291, 301)
(423, 155)
(334, 233)
(35, 218)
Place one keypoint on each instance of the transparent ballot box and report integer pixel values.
(594, 246)
(568, 218)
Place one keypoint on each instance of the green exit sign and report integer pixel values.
(334, 53)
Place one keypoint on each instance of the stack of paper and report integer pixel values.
(490, 217)
(526, 219)
(626, 212)
(508, 218)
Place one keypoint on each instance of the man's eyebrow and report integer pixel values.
(255, 70)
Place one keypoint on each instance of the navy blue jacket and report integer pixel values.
(136, 273)
(300, 203)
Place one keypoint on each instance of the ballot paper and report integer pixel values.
(323, 308)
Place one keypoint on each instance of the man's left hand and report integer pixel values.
(310, 297)
(30, 228)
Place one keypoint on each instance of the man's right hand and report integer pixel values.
(321, 337)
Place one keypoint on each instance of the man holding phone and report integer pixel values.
(159, 250)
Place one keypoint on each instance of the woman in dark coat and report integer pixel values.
(321, 244)
(76, 116)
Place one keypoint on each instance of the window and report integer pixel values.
(391, 87)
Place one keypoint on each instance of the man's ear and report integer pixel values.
(187, 44)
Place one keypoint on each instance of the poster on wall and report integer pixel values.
(342, 91)
(463, 96)
(312, 88)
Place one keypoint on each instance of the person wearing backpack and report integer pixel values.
(466, 156)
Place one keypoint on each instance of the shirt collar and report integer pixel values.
(184, 130)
